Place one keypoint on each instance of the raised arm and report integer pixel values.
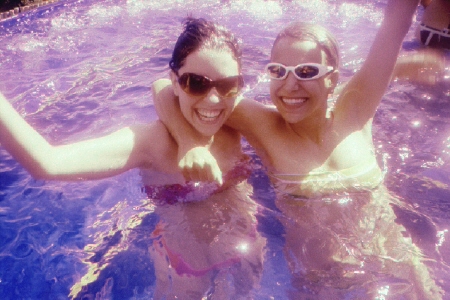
(362, 95)
(90, 159)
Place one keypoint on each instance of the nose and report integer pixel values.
(212, 96)
(291, 82)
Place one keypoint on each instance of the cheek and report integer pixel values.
(231, 104)
(185, 106)
(275, 85)
(314, 87)
(311, 85)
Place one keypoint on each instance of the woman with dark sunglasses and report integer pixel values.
(341, 233)
(206, 232)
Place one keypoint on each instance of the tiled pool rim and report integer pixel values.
(12, 13)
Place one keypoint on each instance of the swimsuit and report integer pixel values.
(360, 177)
(177, 262)
(197, 191)
(166, 196)
(341, 233)
(433, 37)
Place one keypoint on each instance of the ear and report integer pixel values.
(175, 85)
(331, 81)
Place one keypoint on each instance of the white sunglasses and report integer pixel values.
(308, 71)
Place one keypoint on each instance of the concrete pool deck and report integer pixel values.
(12, 13)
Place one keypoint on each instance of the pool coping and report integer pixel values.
(12, 13)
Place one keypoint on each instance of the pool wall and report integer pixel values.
(12, 13)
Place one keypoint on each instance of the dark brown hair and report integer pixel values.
(199, 33)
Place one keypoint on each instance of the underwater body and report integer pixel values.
(79, 69)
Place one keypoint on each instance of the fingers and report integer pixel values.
(199, 165)
(216, 174)
(209, 173)
(196, 174)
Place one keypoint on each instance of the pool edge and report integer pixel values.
(12, 13)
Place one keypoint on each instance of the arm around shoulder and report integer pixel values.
(250, 116)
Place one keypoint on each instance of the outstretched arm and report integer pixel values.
(362, 95)
(90, 159)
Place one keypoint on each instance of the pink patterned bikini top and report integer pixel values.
(198, 191)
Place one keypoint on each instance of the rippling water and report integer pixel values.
(79, 69)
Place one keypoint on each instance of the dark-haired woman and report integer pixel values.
(206, 242)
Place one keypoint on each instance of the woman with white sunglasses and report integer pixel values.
(340, 229)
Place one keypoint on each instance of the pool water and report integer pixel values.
(79, 69)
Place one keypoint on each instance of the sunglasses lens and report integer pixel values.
(307, 72)
(229, 87)
(193, 84)
(276, 71)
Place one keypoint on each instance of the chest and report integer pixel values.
(225, 150)
(290, 155)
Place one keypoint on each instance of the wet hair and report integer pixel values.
(200, 33)
(314, 33)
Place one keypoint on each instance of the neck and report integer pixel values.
(314, 128)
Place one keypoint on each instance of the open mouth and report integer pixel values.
(208, 115)
(293, 101)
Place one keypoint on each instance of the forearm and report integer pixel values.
(371, 82)
(386, 46)
(24, 143)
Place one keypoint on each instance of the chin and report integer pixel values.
(207, 132)
(292, 118)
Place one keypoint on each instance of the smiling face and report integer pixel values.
(209, 112)
(298, 100)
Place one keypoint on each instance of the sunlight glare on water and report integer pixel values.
(84, 68)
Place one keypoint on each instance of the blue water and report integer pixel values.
(79, 69)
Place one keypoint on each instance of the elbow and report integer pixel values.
(41, 172)
(45, 166)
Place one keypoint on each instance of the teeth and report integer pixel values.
(292, 101)
(208, 114)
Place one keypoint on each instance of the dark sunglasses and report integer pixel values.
(197, 85)
(308, 71)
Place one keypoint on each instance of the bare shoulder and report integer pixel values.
(160, 85)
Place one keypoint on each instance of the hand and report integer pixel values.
(198, 164)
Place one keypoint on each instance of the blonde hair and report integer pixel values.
(315, 33)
